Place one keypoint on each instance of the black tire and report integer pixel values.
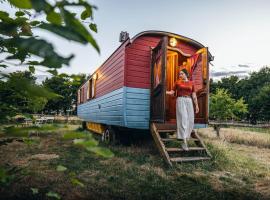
(84, 125)
(109, 136)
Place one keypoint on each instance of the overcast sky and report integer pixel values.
(236, 32)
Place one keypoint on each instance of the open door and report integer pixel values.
(200, 77)
(158, 81)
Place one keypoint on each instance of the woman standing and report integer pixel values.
(185, 92)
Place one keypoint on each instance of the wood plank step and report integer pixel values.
(188, 159)
(166, 131)
(175, 139)
(180, 149)
(166, 126)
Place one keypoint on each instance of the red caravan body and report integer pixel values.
(124, 82)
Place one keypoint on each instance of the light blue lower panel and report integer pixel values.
(127, 107)
(107, 109)
(137, 108)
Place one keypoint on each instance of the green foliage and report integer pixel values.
(66, 86)
(17, 42)
(61, 168)
(76, 182)
(5, 177)
(54, 18)
(30, 141)
(261, 102)
(223, 107)
(253, 91)
(26, 131)
(87, 142)
(53, 195)
(75, 135)
(24, 4)
(20, 94)
(34, 191)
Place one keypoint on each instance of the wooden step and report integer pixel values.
(166, 126)
(166, 131)
(181, 150)
(175, 139)
(188, 159)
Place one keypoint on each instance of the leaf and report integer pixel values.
(93, 27)
(53, 194)
(19, 13)
(4, 15)
(24, 4)
(34, 23)
(33, 63)
(53, 72)
(34, 190)
(86, 13)
(73, 23)
(61, 168)
(40, 48)
(54, 18)
(75, 181)
(41, 5)
(21, 55)
(78, 141)
(101, 151)
(4, 66)
(74, 135)
(32, 69)
(63, 31)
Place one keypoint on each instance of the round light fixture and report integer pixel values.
(173, 42)
(95, 76)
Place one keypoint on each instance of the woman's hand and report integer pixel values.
(194, 97)
(197, 110)
(170, 92)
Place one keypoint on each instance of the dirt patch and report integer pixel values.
(43, 156)
(263, 187)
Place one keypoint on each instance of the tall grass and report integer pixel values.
(240, 136)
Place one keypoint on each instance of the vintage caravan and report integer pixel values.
(129, 89)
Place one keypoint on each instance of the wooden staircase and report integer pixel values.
(170, 147)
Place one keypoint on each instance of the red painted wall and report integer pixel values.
(110, 74)
(138, 61)
(130, 65)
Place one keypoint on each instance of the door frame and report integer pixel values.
(162, 85)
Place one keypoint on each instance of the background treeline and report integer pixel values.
(21, 95)
(250, 97)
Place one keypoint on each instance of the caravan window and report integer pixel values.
(91, 88)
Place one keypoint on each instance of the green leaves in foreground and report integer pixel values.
(87, 142)
(24, 4)
(63, 31)
(61, 168)
(53, 195)
(34, 191)
(36, 47)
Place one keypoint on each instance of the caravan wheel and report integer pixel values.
(108, 136)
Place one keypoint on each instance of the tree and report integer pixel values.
(223, 106)
(249, 88)
(66, 86)
(261, 103)
(20, 94)
(17, 41)
(228, 83)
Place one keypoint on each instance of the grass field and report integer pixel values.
(44, 163)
